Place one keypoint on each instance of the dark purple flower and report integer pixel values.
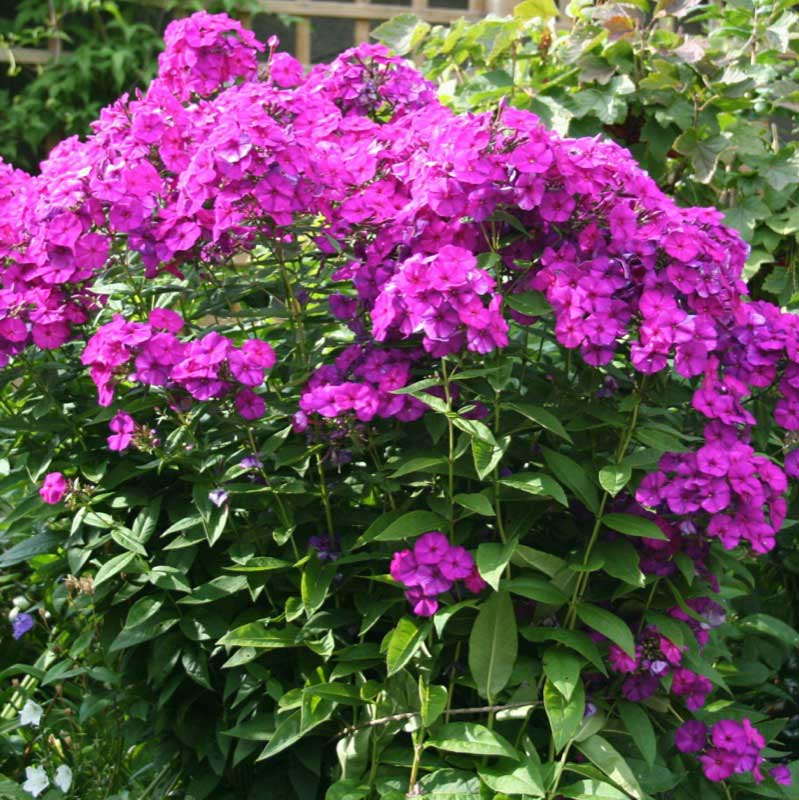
(691, 736)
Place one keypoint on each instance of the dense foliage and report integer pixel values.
(388, 449)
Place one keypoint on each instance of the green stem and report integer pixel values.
(450, 451)
(325, 498)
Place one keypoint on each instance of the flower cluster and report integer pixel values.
(728, 748)
(657, 657)
(724, 486)
(360, 383)
(431, 569)
(205, 52)
(149, 353)
(439, 297)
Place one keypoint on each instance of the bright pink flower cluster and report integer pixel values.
(439, 296)
(360, 382)
(150, 353)
(431, 569)
(724, 487)
(728, 748)
(205, 52)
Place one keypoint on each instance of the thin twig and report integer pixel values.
(452, 712)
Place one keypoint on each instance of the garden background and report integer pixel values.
(383, 430)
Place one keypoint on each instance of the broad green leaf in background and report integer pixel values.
(493, 645)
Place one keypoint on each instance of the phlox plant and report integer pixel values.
(402, 452)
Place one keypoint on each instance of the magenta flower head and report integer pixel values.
(456, 564)
(166, 320)
(54, 488)
(431, 547)
(792, 464)
(423, 604)
(403, 567)
(730, 735)
(691, 736)
(718, 765)
(782, 775)
(474, 582)
(123, 427)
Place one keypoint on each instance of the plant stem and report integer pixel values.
(450, 451)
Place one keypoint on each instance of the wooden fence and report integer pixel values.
(361, 13)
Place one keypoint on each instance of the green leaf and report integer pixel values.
(632, 525)
(592, 790)
(533, 304)
(260, 728)
(112, 567)
(487, 456)
(565, 716)
(316, 579)
(639, 726)
(546, 419)
(492, 558)
(574, 476)
(614, 478)
(511, 779)
(402, 33)
(493, 645)
(704, 153)
(609, 625)
(404, 642)
(478, 503)
(433, 702)
(536, 9)
(471, 739)
(408, 525)
(562, 668)
(258, 635)
(604, 756)
(124, 538)
(771, 626)
(35, 545)
(295, 726)
(538, 589)
(621, 560)
(578, 641)
(445, 784)
(537, 483)
(544, 562)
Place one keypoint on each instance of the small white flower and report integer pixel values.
(36, 780)
(63, 778)
(13, 614)
(31, 714)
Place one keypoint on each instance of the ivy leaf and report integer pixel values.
(536, 9)
(402, 33)
(704, 153)
(493, 645)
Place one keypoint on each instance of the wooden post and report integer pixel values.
(501, 8)
(363, 28)
(303, 42)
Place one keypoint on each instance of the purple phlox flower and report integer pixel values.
(431, 547)
(691, 736)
